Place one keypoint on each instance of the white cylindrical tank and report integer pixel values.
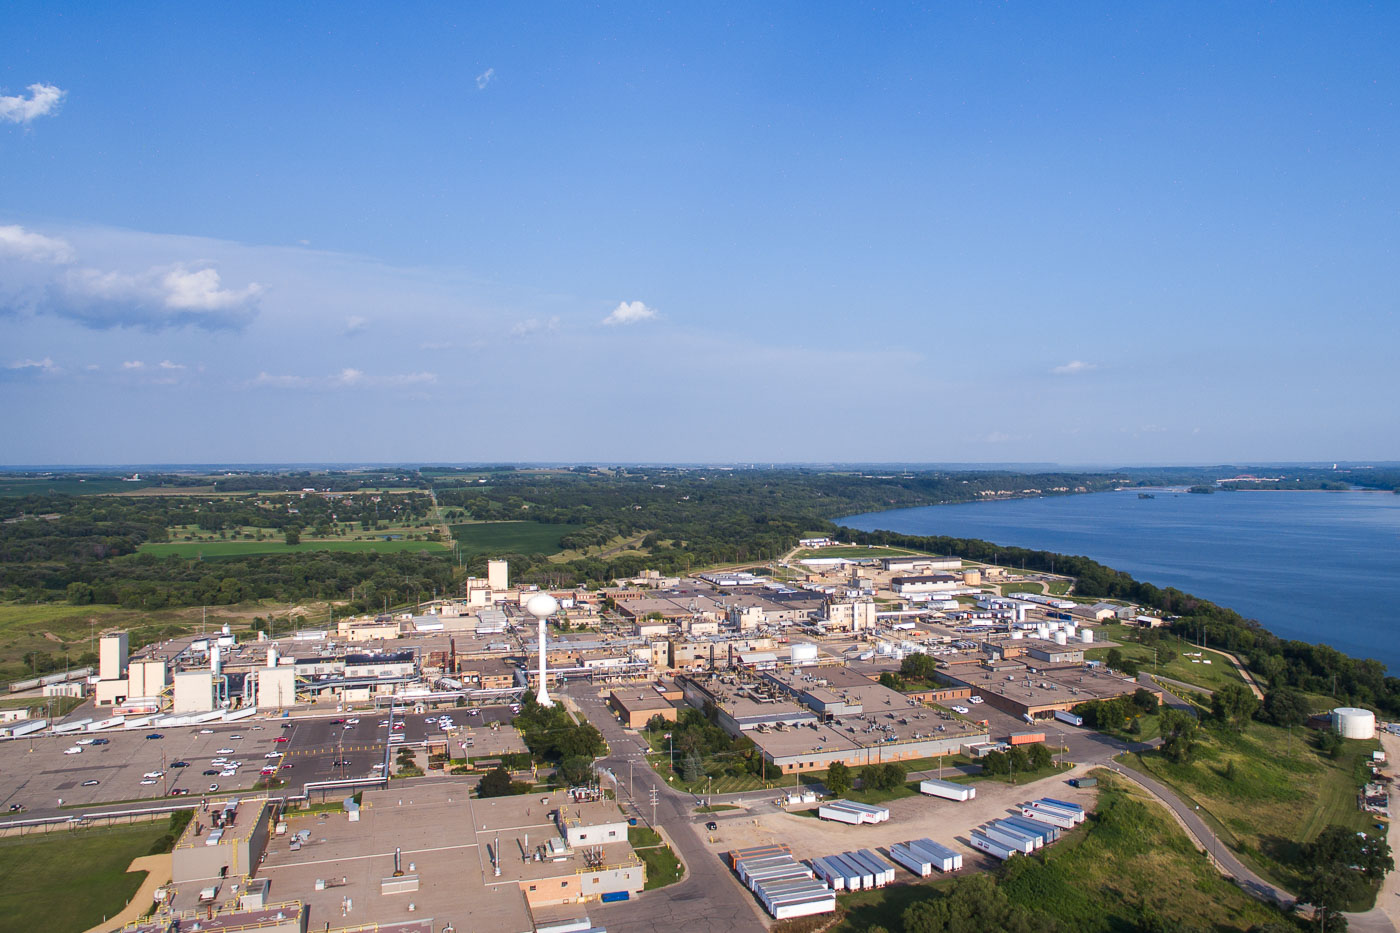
(1353, 723)
(1061, 638)
(1042, 631)
(272, 655)
(804, 653)
(1018, 636)
(1070, 630)
(1086, 636)
(215, 666)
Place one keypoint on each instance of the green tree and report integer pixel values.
(1284, 706)
(973, 905)
(1040, 756)
(495, 783)
(1233, 705)
(1114, 659)
(691, 768)
(1179, 730)
(838, 778)
(293, 536)
(1145, 700)
(576, 769)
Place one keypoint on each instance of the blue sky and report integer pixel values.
(974, 232)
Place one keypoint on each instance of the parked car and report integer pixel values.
(179, 764)
(352, 722)
(86, 741)
(206, 731)
(210, 772)
(286, 765)
(74, 750)
(179, 792)
(273, 755)
(287, 725)
(213, 787)
(149, 781)
(235, 736)
(225, 751)
(101, 741)
(281, 738)
(92, 782)
(155, 735)
(16, 808)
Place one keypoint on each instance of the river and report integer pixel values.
(1315, 566)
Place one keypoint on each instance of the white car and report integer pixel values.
(206, 731)
(225, 751)
(228, 772)
(148, 781)
(213, 787)
(974, 699)
(86, 741)
(154, 774)
(75, 750)
(273, 755)
(352, 722)
(961, 709)
(235, 737)
(383, 723)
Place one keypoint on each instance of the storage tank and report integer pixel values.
(1042, 630)
(1061, 638)
(1086, 635)
(1070, 630)
(1353, 723)
(272, 655)
(804, 653)
(1018, 636)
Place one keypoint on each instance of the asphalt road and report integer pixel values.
(710, 898)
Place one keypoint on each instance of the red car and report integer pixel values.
(280, 738)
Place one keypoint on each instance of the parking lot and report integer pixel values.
(35, 772)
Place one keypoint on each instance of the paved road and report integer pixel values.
(710, 898)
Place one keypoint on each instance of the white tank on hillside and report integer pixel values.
(1353, 723)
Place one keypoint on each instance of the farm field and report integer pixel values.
(71, 881)
(66, 485)
(212, 549)
(507, 538)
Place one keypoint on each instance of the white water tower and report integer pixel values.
(542, 606)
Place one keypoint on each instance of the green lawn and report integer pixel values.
(663, 867)
(853, 552)
(212, 549)
(1208, 676)
(1129, 867)
(508, 537)
(1282, 792)
(71, 881)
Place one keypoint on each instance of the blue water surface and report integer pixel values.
(1317, 566)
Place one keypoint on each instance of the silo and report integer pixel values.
(1353, 723)
(1018, 636)
(1061, 638)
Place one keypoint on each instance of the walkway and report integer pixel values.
(157, 868)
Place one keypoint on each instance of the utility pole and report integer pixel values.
(653, 806)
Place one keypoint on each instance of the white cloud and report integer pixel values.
(485, 78)
(630, 312)
(42, 100)
(158, 298)
(355, 324)
(45, 366)
(167, 364)
(133, 364)
(534, 325)
(19, 243)
(347, 378)
(1073, 368)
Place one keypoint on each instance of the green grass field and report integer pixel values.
(67, 485)
(1127, 868)
(1209, 676)
(1281, 793)
(68, 882)
(853, 552)
(212, 549)
(508, 538)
